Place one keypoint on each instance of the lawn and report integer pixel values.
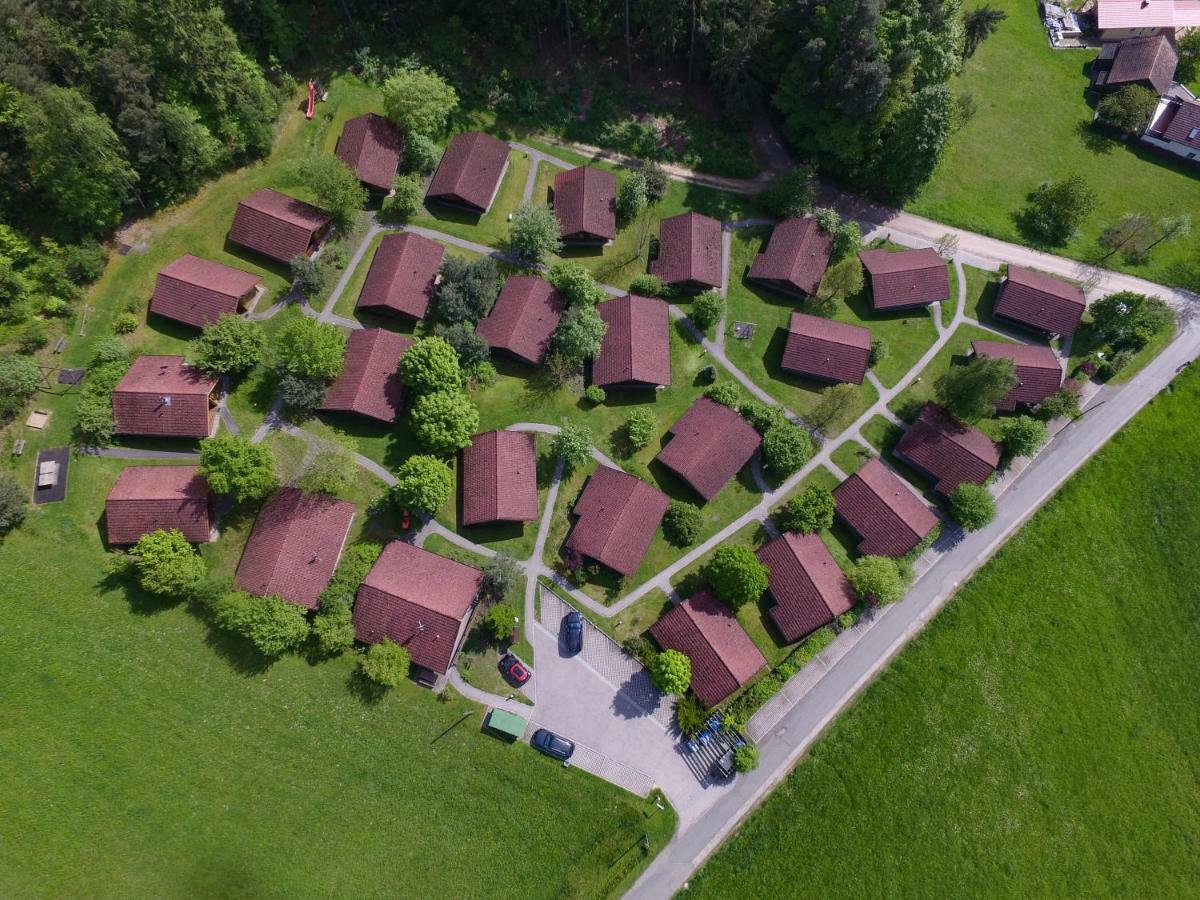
(1032, 125)
(1038, 738)
(851, 456)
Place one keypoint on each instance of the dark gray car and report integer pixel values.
(573, 632)
(551, 744)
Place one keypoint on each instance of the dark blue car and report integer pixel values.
(552, 745)
(573, 632)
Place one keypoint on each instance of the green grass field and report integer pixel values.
(1038, 740)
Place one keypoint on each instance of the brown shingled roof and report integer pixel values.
(294, 546)
(689, 251)
(709, 445)
(585, 204)
(499, 478)
(1040, 302)
(808, 587)
(470, 171)
(401, 278)
(419, 600)
(723, 656)
(825, 349)
(523, 319)
(636, 349)
(197, 291)
(1149, 61)
(370, 383)
(616, 516)
(1179, 122)
(795, 258)
(162, 395)
(277, 226)
(1039, 373)
(149, 498)
(887, 516)
(371, 145)
(905, 278)
(947, 451)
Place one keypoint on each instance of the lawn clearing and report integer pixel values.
(850, 456)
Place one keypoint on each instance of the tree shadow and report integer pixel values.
(367, 692)
(1094, 140)
(241, 655)
(141, 602)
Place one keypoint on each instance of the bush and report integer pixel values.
(482, 375)
(55, 307)
(352, 568)
(576, 283)
(20, 376)
(333, 628)
(786, 447)
(421, 154)
(681, 523)
(876, 579)
(641, 424)
(125, 323)
(33, 338)
(229, 346)
(93, 412)
(167, 565)
(310, 349)
(708, 309)
(385, 663)
(727, 393)
(656, 182)
(500, 621)
(109, 350)
(745, 758)
(423, 485)
(847, 240)
(810, 510)
(272, 625)
(408, 193)
(972, 506)
(672, 672)
(13, 503)
(331, 471)
(690, 715)
(301, 396)
(763, 416)
(309, 276)
(335, 186)
(595, 394)
(1129, 109)
(1063, 402)
(879, 351)
(501, 574)
(430, 365)
(790, 195)
(534, 233)
(234, 465)
(1023, 436)
(737, 576)
(707, 375)
(647, 285)
(632, 197)
(472, 348)
(572, 444)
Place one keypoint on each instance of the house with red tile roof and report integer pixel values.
(1120, 19)
(689, 252)
(826, 350)
(882, 511)
(905, 279)
(523, 319)
(1145, 61)
(294, 546)
(1175, 128)
(723, 656)
(499, 479)
(370, 384)
(278, 226)
(1039, 372)
(1039, 302)
(470, 172)
(615, 519)
(402, 276)
(371, 145)
(198, 291)
(163, 396)
(636, 349)
(807, 586)
(795, 258)
(149, 498)
(709, 445)
(946, 451)
(585, 204)
(419, 600)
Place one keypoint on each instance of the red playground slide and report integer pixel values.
(312, 98)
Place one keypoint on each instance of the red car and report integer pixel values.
(514, 670)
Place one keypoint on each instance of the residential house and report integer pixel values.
(499, 479)
(470, 172)
(402, 276)
(162, 396)
(615, 519)
(523, 319)
(372, 146)
(1039, 372)
(585, 204)
(905, 279)
(807, 586)
(1175, 128)
(946, 451)
(1039, 302)
(370, 384)
(826, 350)
(883, 512)
(1145, 61)
(689, 252)
(709, 445)
(278, 226)
(1117, 20)
(636, 350)
(795, 258)
(149, 498)
(198, 291)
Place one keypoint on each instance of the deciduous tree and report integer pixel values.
(972, 506)
(737, 576)
(229, 346)
(167, 564)
(430, 365)
(385, 663)
(672, 672)
(444, 421)
(972, 391)
(876, 579)
(419, 101)
(423, 484)
(310, 349)
(534, 233)
(810, 510)
(232, 464)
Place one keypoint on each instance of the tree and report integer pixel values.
(681, 523)
(333, 628)
(472, 348)
(13, 503)
(20, 377)
(1129, 109)
(786, 447)
(233, 464)
(408, 194)
(1056, 209)
(430, 365)
(579, 334)
(501, 574)
(385, 663)
(167, 564)
(335, 186)
(467, 289)
(972, 505)
(763, 416)
(301, 396)
(423, 485)
(311, 349)
(1063, 403)
(444, 421)
(309, 276)
(1127, 320)
(421, 154)
(672, 672)
(576, 283)
(1023, 436)
(708, 309)
(656, 182)
(847, 240)
(790, 195)
(572, 444)
(841, 280)
(534, 234)
(12, 289)
(640, 426)
(809, 511)
(876, 579)
(647, 285)
(272, 625)
(971, 392)
(419, 101)
(331, 471)
(745, 758)
(1188, 48)
(737, 576)
(500, 621)
(229, 346)
(1132, 234)
(837, 401)
(631, 197)
(978, 25)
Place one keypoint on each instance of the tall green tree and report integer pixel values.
(971, 392)
(419, 100)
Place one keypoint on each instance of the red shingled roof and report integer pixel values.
(795, 258)
(197, 291)
(147, 498)
(887, 516)
(689, 251)
(822, 348)
(419, 600)
(636, 349)
(162, 395)
(499, 477)
(723, 656)
(1150, 61)
(1178, 122)
(947, 451)
(1040, 302)
(276, 225)
(616, 516)
(371, 145)
(1038, 371)
(709, 444)
(294, 546)
(370, 382)
(523, 319)
(808, 587)
(470, 171)
(400, 280)
(906, 278)
(585, 204)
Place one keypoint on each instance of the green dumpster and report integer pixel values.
(507, 725)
